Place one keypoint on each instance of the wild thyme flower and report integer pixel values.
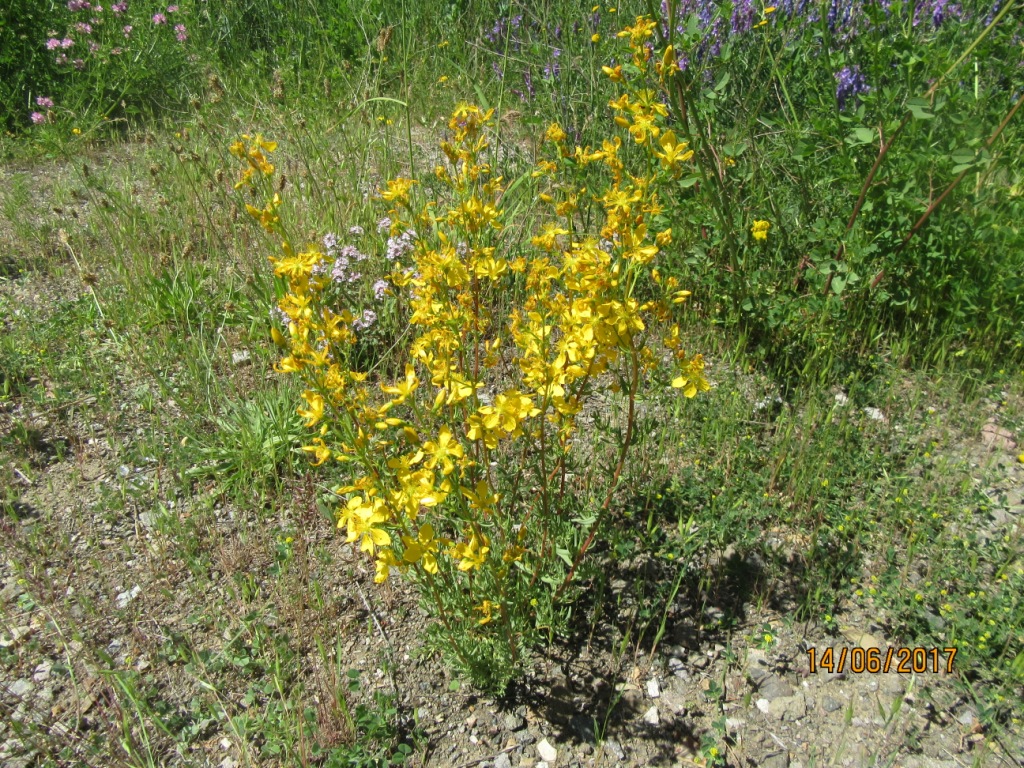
(340, 272)
(850, 84)
(352, 253)
(279, 316)
(44, 101)
(399, 246)
(159, 18)
(330, 242)
(383, 225)
(364, 321)
(355, 231)
(380, 287)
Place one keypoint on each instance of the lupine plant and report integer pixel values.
(467, 473)
(855, 129)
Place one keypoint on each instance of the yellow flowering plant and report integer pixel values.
(467, 472)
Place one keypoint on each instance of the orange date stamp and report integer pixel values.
(873, 661)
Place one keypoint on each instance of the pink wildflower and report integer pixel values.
(159, 18)
(44, 101)
(38, 118)
(180, 32)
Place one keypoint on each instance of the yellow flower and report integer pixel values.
(615, 73)
(398, 190)
(442, 451)
(76, 131)
(673, 151)
(555, 133)
(546, 238)
(319, 450)
(385, 562)
(486, 607)
(484, 425)
(403, 388)
(472, 553)
(423, 547)
(760, 229)
(691, 379)
(595, 37)
(361, 515)
(315, 411)
(481, 497)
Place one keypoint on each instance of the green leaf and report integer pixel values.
(480, 95)
(722, 82)
(963, 156)
(919, 108)
(864, 135)
(689, 181)
(453, 685)
(565, 555)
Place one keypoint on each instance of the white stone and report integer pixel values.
(126, 597)
(652, 689)
(875, 414)
(547, 752)
(651, 716)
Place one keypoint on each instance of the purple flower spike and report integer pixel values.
(850, 84)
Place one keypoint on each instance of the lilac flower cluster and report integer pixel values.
(400, 245)
(364, 321)
(850, 84)
(342, 259)
(345, 258)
